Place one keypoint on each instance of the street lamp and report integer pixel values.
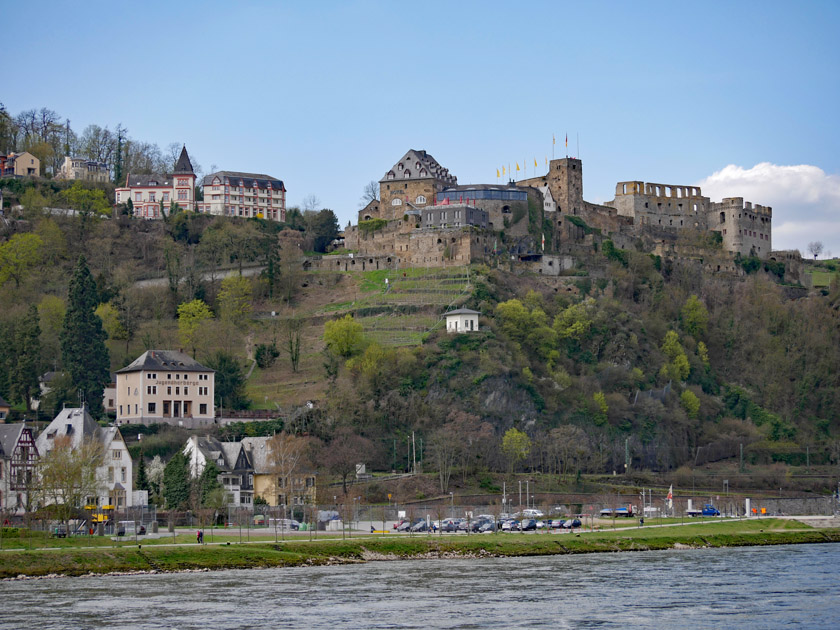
(451, 505)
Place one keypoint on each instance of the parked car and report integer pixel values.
(283, 523)
(557, 523)
(400, 522)
(532, 513)
(420, 526)
(572, 523)
(510, 526)
(488, 527)
(404, 526)
(528, 525)
(449, 525)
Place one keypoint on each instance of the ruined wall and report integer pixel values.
(745, 227)
(663, 205)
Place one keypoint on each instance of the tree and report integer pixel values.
(87, 201)
(142, 476)
(695, 317)
(111, 322)
(208, 482)
(516, 445)
(691, 404)
(370, 192)
(816, 248)
(230, 380)
(286, 453)
(83, 349)
(678, 368)
(235, 300)
(176, 482)
(445, 447)
(602, 408)
(17, 257)
(311, 203)
(343, 452)
(293, 326)
(26, 370)
(68, 476)
(191, 317)
(343, 336)
(321, 227)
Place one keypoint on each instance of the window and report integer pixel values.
(152, 408)
(116, 454)
(202, 409)
(182, 195)
(138, 196)
(151, 196)
(168, 377)
(120, 409)
(168, 391)
(122, 474)
(420, 199)
(186, 391)
(396, 202)
(183, 181)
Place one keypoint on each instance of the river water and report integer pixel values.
(753, 587)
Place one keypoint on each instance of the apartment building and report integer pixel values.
(165, 386)
(22, 164)
(247, 195)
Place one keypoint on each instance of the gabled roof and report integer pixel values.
(258, 450)
(183, 165)
(170, 360)
(75, 423)
(9, 437)
(249, 180)
(417, 164)
(225, 455)
(3, 403)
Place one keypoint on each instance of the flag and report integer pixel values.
(495, 244)
(546, 161)
(553, 140)
(535, 162)
(670, 497)
(503, 170)
(567, 141)
(497, 174)
(517, 166)
(543, 241)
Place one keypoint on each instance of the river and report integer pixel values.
(751, 587)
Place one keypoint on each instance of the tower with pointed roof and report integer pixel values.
(152, 195)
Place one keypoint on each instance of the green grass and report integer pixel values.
(300, 551)
(821, 278)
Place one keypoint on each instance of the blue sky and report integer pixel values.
(741, 97)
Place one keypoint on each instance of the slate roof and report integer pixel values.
(171, 360)
(258, 450)
(9, 437)
(75, 423)
(183, 165)
(419, 165)
(153, 179)
(249, 180)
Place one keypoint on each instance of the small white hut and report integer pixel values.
(462, 320)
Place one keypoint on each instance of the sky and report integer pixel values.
(738, 97)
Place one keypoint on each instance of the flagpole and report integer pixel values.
(578, 145)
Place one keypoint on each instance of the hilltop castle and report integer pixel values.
(423, 217)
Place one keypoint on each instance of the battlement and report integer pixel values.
(668, 191)
(738, 203)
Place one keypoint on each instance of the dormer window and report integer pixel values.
(407, 173)
(390, 174)
(400, 166)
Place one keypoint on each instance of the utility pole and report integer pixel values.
(626, 456)
(741, 467)
(414, 451)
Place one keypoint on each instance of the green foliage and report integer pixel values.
(191, 318)
(577, 221)
(695, 317)
(176, 482)
(516, 446)
(87, 201)
(110, 317)
(230, 380)
(83, 349)
(208, 482)
(613, 253)
(322, 228)
(142, 482)
(26, 359)
(266, 354)
(343, 336)
(18, 256)
(602, 408)
(678, 368)
(372, 225)
(691, 404)
(237, 430)
(235, 300)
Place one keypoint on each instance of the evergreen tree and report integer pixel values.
(209, 481)
(83, 349)
(142, 476)
(176, 482)
(229, 381)
(28, 358)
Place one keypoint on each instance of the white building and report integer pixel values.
(247, 195)
(236, 474)
(165, 386)
(462, 320)
(152, 196)
(115, 475)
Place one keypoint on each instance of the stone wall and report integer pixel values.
(745, 227)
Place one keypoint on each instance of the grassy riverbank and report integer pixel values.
(80, 561)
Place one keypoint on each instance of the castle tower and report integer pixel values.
(565, 180)
(184, 177)
(412, 184)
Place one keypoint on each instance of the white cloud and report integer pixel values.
(805, 200)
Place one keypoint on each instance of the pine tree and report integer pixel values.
(209, 481)
(27, 344)
(142, 477)
(176, 482)
(83, 349)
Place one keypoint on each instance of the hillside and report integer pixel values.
(644, 362)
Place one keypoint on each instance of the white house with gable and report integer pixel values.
(462, 320)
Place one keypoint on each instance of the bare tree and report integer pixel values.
(370, 192)
(293, 326)
(311, 202)
(445, 446)
(286, 454)
(816, 248)
(68, 477)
